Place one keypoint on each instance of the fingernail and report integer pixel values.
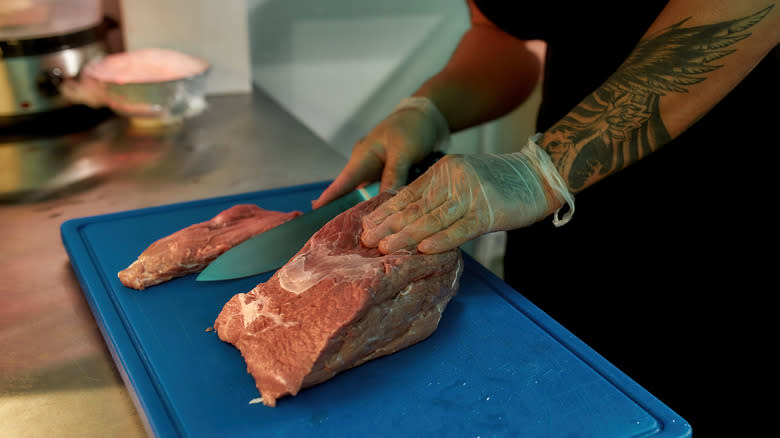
(427, 247)
(367, 239)
(385, 246)
(395, 242)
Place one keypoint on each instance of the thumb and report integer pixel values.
(356, 172)
(394, 173)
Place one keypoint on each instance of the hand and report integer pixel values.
(405, 137)
(463, 196)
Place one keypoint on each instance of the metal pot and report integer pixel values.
(43, 43)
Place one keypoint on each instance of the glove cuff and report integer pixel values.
(553, 178)
(427, 107)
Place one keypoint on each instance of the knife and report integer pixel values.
(272, 249)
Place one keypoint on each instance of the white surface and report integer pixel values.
(341, 68)
(325, 92)
(213, 30)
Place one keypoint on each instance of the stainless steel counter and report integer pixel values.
(57, 377)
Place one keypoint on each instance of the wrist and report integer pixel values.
(432, 113)
(555, 189)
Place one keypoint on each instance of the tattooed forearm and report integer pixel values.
(621, 121)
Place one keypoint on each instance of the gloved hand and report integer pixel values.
(463, 196)
(412, 131)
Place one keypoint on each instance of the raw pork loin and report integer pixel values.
(189, 250)
(335, 305)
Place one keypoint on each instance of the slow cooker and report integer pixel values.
(43, 43)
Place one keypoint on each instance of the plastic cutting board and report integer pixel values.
(497, 365)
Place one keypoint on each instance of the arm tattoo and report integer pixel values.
(620, 122)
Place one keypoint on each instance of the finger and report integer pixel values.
(374, 228)
(423, 190)
(394, 173)
(459, 233)
(434, 221)
(400, 201)
(359, 169)
(393, 223)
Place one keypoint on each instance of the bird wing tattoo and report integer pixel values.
(620, 122)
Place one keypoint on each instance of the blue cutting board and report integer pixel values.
(497, 365)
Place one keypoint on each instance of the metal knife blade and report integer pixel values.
(272, 249)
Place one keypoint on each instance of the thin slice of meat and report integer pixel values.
(191, 249)
(335, 305)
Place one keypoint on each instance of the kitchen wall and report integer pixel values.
(341, 65)
(212, 29)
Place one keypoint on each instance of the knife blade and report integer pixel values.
(272, 249)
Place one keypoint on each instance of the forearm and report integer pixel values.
(489, 74)
(691, 57)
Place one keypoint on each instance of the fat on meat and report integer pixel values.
(191, 249)
(335, 305)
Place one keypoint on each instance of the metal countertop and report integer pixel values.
(56, 374)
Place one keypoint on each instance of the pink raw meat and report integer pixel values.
(189, 250)
(335, 305)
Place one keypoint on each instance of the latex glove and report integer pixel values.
(413, 130)
(463, 196)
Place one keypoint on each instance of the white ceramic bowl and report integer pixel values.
(149, 85)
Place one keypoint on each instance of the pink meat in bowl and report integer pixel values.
(150, 84)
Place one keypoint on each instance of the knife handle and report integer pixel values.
(369, 191)
(416, 170)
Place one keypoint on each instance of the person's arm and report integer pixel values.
(691, 57)
(695, 52)
(489, 74)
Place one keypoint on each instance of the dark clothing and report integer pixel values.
(662, 268)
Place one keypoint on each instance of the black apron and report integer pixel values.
(664, 268)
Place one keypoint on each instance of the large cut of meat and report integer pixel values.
(189, 250)
(335, 305)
